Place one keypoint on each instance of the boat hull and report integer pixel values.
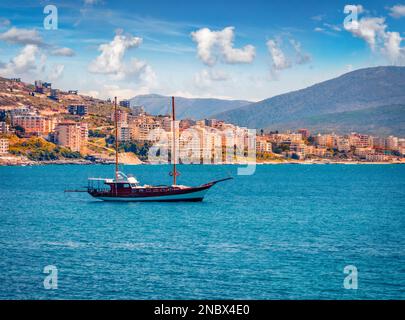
(186, 195)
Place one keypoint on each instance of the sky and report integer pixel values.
(248, 50)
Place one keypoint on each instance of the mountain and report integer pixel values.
(356, 90)
(185, 107)
(380, 121)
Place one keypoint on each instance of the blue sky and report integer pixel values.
(229, 49)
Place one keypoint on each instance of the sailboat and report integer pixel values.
(127, 188)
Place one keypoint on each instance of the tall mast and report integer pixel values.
(174, 143)
(116, 138)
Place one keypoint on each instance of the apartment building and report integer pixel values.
(72, 135)
(34, 124)
(4, 145)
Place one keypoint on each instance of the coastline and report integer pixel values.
(14, 161)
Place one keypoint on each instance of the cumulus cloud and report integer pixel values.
(392, 48)
(111, 60)
(301, 57)
(397, 11)
(368, 29)
(219, 45)
(22, 36)
(64, 52)
(278, 57)
(28, 60)
(374, 31)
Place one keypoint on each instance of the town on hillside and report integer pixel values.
(41, 124)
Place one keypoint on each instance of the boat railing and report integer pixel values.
(97, 185)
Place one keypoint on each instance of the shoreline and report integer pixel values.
(24, 163)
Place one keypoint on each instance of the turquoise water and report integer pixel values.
(285, 232)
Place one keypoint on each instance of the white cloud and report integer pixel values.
(397, 11)
(280, 61)
(219, 45)
(27, 61)
(333, 27)
(301, 57)
(368, 29)
(392, 48)
(373, 30)
(121, 93)
(110, 61)
(65, 52)
(132, 76)
(56, 72)
(22, 36)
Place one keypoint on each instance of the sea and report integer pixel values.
(284, 232)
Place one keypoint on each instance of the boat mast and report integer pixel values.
(116, 138)
(174, 143)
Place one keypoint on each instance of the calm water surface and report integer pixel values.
(286, 232)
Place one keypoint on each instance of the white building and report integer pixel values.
(124, 133)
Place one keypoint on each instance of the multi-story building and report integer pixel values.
(376, 157)
(299, 149)
(211, 123)
(304, 133)
(39, 86)
(34, 124)
(165, 122)
(187, 123)
(79, 110)
(141, 131)
(342, 144)
(4, 128)
(124, 133)
(54, 94)
(363, 152)
(262, 144)
(358, 140)
(21, 111)
(72, 135)
(122, 116)
(4, 145)
(378, 142)
(391, 143)
(125, 103)
(325, 140)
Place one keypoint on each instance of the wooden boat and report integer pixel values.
(127, 188)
